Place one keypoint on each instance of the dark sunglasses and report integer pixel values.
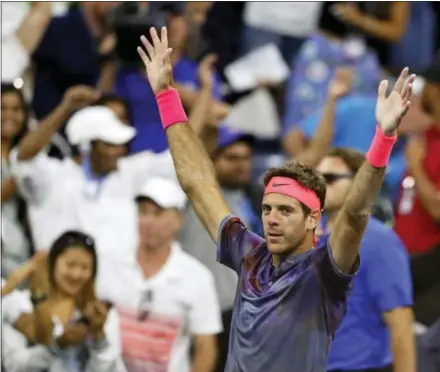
(331, 178)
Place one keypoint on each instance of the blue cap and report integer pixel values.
(228, 136)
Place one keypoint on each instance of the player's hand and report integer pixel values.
(206, 71)
(157, 60)
(79, 96)
(391, 109)
(341, 83)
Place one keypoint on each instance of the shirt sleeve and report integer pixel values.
(18, 357)
(139, 167)
(205, 316)
(35, 176)
(336, 283)
(336, 286)
(234, 242)
(388, 272)
(14, 304)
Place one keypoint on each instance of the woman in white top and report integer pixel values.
(70, 330)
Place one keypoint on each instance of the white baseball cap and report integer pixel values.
(164, 192)
(98, 123)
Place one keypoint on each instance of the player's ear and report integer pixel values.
(313, 220)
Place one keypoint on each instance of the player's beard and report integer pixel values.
(296, 243)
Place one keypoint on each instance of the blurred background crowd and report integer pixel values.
(105, 265)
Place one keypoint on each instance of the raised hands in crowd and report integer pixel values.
(341, 83)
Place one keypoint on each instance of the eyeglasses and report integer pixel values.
(331, 178)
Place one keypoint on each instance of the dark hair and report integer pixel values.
(352, 159)
(106, 98)
(304, 175)
(65, 241)
(10, 89)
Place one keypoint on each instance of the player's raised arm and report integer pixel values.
(193, 166)
(352, 219)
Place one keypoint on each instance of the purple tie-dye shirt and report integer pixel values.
(284, 318)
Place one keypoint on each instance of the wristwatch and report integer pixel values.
(37, 299)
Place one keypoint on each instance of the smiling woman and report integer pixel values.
(66, 314)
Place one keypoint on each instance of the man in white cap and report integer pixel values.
(166, 299)
(92, 192)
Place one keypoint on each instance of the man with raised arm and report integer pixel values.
(291, 295)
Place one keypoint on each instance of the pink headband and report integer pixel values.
(289, 187)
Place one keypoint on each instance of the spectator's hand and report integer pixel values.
(23, 272)
(219, 112)
(157, 63)
(206, 71)
(341, 83)
(74, 334)
(96, 313)
(107, 45)
(79, 96)
(415, 152)
(347, 12)
(41, 5)
(38, 278)
(391, 109)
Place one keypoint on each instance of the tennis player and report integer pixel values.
(291, 295)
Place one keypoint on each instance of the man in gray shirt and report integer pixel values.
(233, 164)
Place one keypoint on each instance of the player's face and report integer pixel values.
(234, 165)
(157, 226)
(285, 223)
(338, 179)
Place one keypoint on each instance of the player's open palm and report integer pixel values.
(391, 109)
(157, 60)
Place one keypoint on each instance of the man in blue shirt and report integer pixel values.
(291, 296)
(377, 330)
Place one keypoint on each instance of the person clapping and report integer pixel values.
(69, 329)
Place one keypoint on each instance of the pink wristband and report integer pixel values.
(170, 108)
(380, 149)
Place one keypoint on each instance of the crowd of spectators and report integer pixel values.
(105, 264)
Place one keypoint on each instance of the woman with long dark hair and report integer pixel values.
(14, 118)
(69, 329)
